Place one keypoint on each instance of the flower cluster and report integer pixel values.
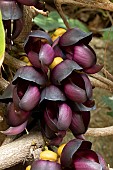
(75, 155)
(56, 86)
(57, 91)
(12, 15)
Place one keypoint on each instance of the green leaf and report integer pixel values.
(107, 33)
(110, 113)
(2, 40)
(108, 102)
(54, 21)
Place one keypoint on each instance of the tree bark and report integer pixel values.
(20, 150)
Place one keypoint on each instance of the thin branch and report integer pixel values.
(19, 150)
(102, 4)
(106, 131)
(99, 84)
(13, 62)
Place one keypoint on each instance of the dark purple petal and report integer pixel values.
(83, 163)
(37, 34)
(64, 117)
(46, 54)
(84, 56)
(70, 149)
(50, 119)
(30, 99)
(58, 139)
(15, 130)
(7, 94)
(94, 69)
(79, 123)
(10, 10)
(74, 92)
(73, 36)
(34, 59)
(16, 117)
(102, 162)
(63, 70)
(81, 107)
(45, 165)
(52, 93)
(30, 74)
(88, 85)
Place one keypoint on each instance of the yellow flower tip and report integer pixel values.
(59, 150)
(56, 61)
(57, 33)
(28, 64)
(58, 160)
(28, 167)
(48, 155)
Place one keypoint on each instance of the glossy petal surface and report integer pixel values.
(15, 130)
(45, 165)
(30, 74)
(34, 59)
(64, 117)
(16, 117)
(75, 93)
(73, 36)
(52, 93)
(69, 150)
(63, 70)
(10, 10)
(46, 54)
(30, 99)
(84, 56)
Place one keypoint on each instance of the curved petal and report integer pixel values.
(34, 59)
(64, 117)
(88, 85)
(46, 54)
(52, 93)
(84, 56)
(63, 70)
(37, 34)
(50, 119)
(15, 130)
(30, 99)
(102, 162)
(73, 36)
(94, 69)
(10, 10)
(30, 74)
(74, 92)
(45, 165)
(70, 149)
(81, 107)
(83, 163)
(16, 117)
(80, 122)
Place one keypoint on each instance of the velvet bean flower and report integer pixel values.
(77, 155)
(75, 44)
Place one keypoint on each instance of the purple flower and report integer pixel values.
(39, 50)
(74, 44)
(77, 155)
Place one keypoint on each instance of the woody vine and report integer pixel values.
(53, 93)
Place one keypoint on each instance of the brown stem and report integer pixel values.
(20, 150)
(13, 62)
(3, 84)
(106, 131)
(103, 79)
(98, 83)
